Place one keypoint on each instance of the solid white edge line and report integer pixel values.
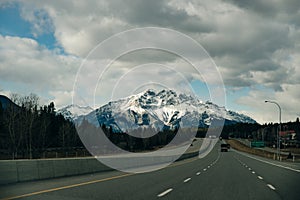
(165, 192)
(261, 178)
(187, 180)
(289, 168)
(271, 186)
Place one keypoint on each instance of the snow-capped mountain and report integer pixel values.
(73, 112)
(157, 109)
(162, 109)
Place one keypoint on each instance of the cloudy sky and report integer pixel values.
(254, 44)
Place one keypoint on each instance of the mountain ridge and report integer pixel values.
(72, 111)
(159, 110)
(7, 102)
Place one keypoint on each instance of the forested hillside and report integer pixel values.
(28, 130)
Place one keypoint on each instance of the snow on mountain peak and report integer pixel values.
(72, 112)
(157, 109)
(163, 108)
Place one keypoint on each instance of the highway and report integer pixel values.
(219, 175)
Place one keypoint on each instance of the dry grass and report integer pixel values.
(259, 152)
(293, 150)
(241, 147)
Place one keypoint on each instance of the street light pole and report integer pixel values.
(278, 130)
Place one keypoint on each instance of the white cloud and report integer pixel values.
(77, 26)
(29, 67)
(288, 99)
(253, 43)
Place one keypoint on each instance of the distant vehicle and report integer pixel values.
(228, 146)
(224, 147)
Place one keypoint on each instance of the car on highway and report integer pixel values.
(224, 147)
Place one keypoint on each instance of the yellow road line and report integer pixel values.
(90, 182)
(65, 187)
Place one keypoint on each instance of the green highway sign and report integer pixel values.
(257, 144)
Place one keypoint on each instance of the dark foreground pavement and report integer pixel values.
(226, 175)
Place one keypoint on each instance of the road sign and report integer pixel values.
(257, 144)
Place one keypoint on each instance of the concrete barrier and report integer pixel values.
(12, 171)
(8, 172)
(45, 169)
(27, 170)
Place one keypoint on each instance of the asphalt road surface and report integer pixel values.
(219, 175)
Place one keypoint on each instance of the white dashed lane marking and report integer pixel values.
(165, 192)
(187, 180)
(198, 173)
(271, 186)
(260, 177)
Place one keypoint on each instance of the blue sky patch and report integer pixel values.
(12, 24)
